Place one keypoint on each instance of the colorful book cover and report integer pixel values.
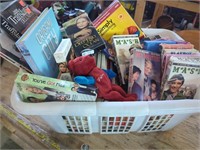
(124, 46)
(39, 42)
(35, 88)
(181, 78)
(144, 75)
(16, 17)
(83, 35)
(115, 20)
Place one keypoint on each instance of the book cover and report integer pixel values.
(181, 78)
(35, 88)
(16, 17)
(124, 46)
(144, 75)
(39, 42)
(115, 20)
(83, 35)
(166, 64)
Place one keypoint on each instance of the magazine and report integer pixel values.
(39, 42)
(181, 78)
(83, 35)
(144, 75)
(35, 88)
(115, 20)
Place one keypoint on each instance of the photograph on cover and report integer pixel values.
(180, 86)
(46, 94)
(144, 77)
(83, 34)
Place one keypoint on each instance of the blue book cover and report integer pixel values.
(39, 43)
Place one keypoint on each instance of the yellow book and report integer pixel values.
(115, 20)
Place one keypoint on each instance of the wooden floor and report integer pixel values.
(184, 136)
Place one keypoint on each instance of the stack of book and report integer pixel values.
(154, 68)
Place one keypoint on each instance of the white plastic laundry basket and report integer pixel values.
(111, 117)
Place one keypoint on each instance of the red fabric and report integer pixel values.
(85, 65)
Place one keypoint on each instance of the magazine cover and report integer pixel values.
(35, 88)
(124, 46)
(39, 42)
(16, 17)
(83, 35)
(115, 20)
(181, 78)
(144, 75)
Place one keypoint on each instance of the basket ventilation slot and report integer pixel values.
(77, 124)
(116, 124)
(156, 123)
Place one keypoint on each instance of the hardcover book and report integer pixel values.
(115, 20)
(124, 46)
(144, 75)
(9, 52)
(35, 88)
(39, 42)
(16, 17)
(181, 78)
(83, 35)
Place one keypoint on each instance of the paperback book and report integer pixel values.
(39, 42)
(16, 17)
(115, 20)
(144, 75)
(83, 35)
(124, 46)
(35, 88)
(181, 78)
(167, 53)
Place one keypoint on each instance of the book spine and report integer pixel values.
(177, 46)
(130, 75)
(165, 77)
(9, 29)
